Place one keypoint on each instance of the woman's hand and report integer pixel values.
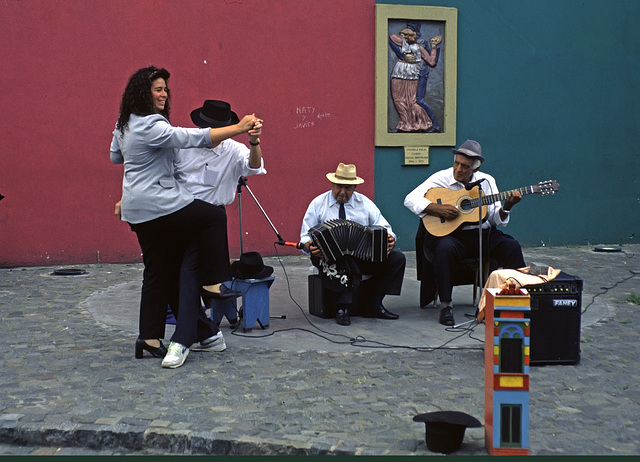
(410, 58)
(248, 122)
(220, 134)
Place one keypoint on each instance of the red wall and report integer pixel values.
(305, 67)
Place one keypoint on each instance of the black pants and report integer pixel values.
(499, 249)
(163, 242)
(342, 279)
(192, 323)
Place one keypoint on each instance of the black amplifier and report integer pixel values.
(556, 308)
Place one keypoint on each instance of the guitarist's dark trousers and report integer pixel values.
(499, 249)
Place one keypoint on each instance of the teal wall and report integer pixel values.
(551, 91)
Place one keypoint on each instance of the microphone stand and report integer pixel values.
(239, 191)
(481, 267)
(242, 181)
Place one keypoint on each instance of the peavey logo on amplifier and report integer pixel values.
(565, 302)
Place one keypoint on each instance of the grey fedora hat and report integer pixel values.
(470, 148)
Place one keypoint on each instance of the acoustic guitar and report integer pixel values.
(467, 203)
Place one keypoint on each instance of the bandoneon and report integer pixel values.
(336, 238)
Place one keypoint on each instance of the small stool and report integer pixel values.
(221, 308)
(255, 301)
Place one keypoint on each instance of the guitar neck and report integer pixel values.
(439, 226)
(490, 199)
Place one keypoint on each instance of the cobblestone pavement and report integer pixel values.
(69, 383)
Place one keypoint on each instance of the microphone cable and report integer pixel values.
(359, 340)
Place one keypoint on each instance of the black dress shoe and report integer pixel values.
(382, 313)
(342, 318)
(446, 316)
(156, 352)
(224, 294)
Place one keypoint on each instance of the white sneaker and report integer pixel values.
(215, 343)
(176, 355)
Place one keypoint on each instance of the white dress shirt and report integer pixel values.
(360, 209)
(212, 174)
(417, 203)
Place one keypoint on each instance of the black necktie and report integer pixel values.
(342, 214)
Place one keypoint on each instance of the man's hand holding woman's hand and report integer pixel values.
(256, 131)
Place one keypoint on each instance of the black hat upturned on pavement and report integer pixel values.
(444, 430)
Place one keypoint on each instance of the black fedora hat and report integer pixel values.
(445, 429)
(214, 114)
(250, 266)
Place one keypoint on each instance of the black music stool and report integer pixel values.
(322, 305)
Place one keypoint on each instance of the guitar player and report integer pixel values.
(451, 233)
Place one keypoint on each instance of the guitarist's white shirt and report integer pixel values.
(417, 203)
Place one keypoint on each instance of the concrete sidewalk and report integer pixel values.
(304, 385)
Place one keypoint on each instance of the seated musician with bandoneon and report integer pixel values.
(342, 231)
(452, 235)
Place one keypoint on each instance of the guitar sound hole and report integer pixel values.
(465, 205)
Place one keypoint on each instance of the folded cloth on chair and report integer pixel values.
(520, 277)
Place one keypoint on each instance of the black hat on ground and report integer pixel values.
(250, 266)
(445, 429)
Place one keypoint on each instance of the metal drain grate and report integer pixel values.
(68, 272)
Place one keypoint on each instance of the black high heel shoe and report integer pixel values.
(156, 352)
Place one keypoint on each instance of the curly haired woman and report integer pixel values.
(166, 218)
